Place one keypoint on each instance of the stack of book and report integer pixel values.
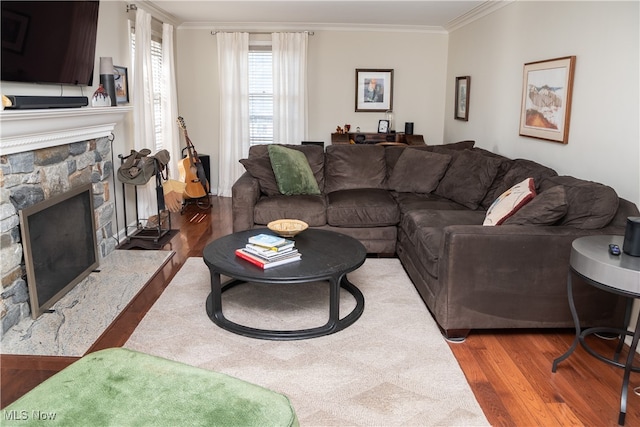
(266, 251)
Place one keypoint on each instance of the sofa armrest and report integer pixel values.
(506, 249)
(245, 193)
(489, 274)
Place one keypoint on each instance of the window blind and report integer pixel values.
(156, 73)
(260, 96)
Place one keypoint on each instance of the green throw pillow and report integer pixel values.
(292, 171)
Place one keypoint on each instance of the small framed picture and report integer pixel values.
(122, 84)
(383, 126)
(374, 90)
(463, 84)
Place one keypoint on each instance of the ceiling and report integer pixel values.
(318, 14)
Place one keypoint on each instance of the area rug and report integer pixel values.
(78, 319)
(390, 368)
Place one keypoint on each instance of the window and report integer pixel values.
(260, 95)
(156, 65)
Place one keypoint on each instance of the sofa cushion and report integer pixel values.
(505, 165)
(460, 145)
(259, 166)
(509, 202)
(520, 169)
(368, 207)
(292, 171)
(590, 205)
(393, 152)
(468, 178)
(418, 171)
(354, 166)
(413, 201)
(307, 208)
(314, 154)
(425, 229)
(545, 209)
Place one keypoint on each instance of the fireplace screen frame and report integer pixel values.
(37, 271)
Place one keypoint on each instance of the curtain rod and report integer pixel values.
(213, 33)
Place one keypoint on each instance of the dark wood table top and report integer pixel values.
(324, 254)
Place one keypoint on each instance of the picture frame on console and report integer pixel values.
(383, 126)
(463, 85)
(374, 90)
(547, 88)
(122, 84)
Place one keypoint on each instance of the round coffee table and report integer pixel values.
(326, 255)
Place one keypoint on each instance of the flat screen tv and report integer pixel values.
(59, 245)
(49, 41)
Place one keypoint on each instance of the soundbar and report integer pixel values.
(20, 102)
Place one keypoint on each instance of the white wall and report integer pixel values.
(419, 64)
(418, 59)
(604, 139)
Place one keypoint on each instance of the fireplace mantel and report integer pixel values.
(28, 130)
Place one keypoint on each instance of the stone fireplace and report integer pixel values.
(44, 153)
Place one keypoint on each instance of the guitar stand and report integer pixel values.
(201, 202)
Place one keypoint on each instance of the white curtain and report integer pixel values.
(144, 135)
(170, 130)
(233, 59)
(289, 52)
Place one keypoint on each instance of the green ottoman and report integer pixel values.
(119, 387)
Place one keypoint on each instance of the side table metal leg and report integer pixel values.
(627, 371)
(576, 321)
(627, 318)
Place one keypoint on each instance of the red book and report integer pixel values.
(241, 253)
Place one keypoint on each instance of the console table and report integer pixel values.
(591, 260)
(376, 138)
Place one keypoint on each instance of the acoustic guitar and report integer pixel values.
(191, 169)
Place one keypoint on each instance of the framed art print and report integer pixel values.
(374, 90)
(463, 84)
(122, 84)
(546, 99)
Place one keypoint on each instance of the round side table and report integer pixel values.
(590, 259)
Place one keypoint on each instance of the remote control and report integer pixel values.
(614, 249)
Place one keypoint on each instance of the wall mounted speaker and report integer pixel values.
(631, 245)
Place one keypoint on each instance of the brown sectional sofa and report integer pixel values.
(427, 204)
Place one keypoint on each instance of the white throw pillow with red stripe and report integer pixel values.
(509, 202)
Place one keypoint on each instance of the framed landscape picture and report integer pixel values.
(546, 99)
(463, 84)
(374, 90)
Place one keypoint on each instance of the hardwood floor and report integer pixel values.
(509, 371)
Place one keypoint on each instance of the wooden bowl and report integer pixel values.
(287, 227)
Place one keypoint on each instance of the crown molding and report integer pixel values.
(476, 13)
(296, 26)
(157, 12)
